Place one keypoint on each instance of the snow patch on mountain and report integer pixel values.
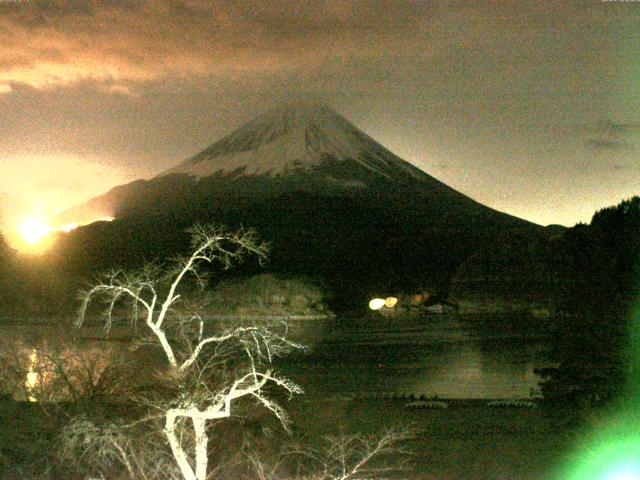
(290, 139)
(273, 157)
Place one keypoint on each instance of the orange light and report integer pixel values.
(34, 236)
(32, 231)
(68, 227)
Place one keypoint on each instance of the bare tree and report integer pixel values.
(341, 457)
(356, 456)
(197, 358)
(60, 370)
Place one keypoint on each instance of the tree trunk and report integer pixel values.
(176, 448)
(202, 441)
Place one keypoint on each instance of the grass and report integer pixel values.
(26, 435)
(469, 440)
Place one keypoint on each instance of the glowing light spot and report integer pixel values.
(33, 378)
(625, 472)
(391, 302)
(68, 227)
(32, 231)
(614, 456)
(377, 303)
(34, 236)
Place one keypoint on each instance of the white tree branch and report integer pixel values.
(141, 288)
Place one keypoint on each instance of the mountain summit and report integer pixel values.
(294, 139)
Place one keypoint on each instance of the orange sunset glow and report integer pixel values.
(34, 235)
(32, 230)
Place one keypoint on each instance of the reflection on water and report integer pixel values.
(440, 355)
(446, 357)
(33, 378)
(46, 362)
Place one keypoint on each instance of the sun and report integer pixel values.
(33, 235)
(33, 231)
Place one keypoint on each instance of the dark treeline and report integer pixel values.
(597, 280)
(351, 245)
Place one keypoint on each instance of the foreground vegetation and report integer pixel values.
(177, 418)
(466, 441)
(265, 294)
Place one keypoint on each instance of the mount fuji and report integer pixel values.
(332, 201)
(289, 149)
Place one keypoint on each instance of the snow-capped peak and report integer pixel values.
(293, 137)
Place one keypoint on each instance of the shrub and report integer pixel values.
(265, 294)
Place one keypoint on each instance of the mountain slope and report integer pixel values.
(309, 148)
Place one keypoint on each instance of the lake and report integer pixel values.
(473, 356)
(445, 356)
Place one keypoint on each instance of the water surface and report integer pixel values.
(446, 356)
(438, 356)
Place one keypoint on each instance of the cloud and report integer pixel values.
(472, 47)
(599, 144)
(54, 43)
(610, 136)
(615, 129)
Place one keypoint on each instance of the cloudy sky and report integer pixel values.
(532, 108)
